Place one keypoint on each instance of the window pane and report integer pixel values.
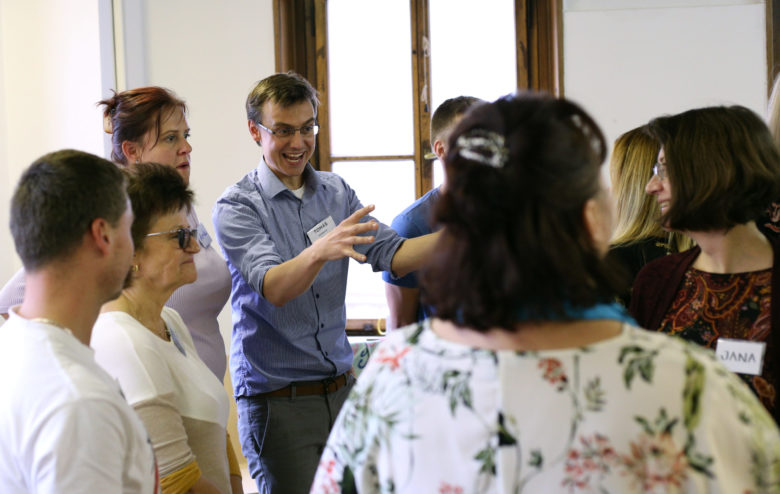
(472, 49)
(370, 68)
(438, 173)
(390, 186)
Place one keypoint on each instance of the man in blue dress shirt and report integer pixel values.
(403, 294)
(287, 232)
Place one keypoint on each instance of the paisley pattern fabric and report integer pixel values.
(709, 306)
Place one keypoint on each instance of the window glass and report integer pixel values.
(370, 69)
(438, 173)
(389, 185)
(472, 49)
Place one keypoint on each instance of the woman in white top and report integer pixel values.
(531, 378)
(150, 124)
(146, 346)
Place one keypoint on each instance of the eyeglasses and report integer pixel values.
(287, 132)
(659, 170)
(183, 235)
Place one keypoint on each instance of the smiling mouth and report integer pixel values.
(294, 158)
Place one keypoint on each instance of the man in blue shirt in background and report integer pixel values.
(403, 294)
(287, 232)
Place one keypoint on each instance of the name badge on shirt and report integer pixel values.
(321, 229)
(204, 239)
(741, 356)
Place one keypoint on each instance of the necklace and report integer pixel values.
(51, 322)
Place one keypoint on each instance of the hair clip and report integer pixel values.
(108, 126)
(483, 146)
(587, 131)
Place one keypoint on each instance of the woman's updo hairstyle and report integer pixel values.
(129, 115)
(514, 244)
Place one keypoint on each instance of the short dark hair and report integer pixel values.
(56, 201)
(520, 172)
(154, 190)
(446, 113)
(283, 89)
(129, 115)
(723, 167)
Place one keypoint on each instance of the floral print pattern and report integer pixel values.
(637, 413)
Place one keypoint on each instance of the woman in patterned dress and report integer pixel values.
(530, 378)
(717, 170)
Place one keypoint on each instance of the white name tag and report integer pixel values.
(741, 356)
(204, 239)
(321, 229)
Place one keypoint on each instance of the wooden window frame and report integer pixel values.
(301, 34)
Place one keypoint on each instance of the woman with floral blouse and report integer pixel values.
(530, 380)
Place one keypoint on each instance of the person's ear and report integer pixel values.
(254, 131)
(597, 223)
(100, 234)
(132, 152)
(438, 149)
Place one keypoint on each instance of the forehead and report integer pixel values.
(296, 114)
(173, 119)
(170, 221)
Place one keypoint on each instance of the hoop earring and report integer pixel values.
(134, 268)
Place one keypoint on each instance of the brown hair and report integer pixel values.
(520, 171)
(154, 190)
(723, 167)
(631, 166)
(284, 89)
(445, 114)
(57, 199)
(131, 114)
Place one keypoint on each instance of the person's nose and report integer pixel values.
(297, 140)
(187, 148)
(653, 186)
(193, 247)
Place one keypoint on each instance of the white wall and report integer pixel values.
(627, 61)
(50, 79)
(210, 54)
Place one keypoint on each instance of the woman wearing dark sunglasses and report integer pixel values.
(147, 347)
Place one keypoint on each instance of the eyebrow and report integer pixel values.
(307, 122)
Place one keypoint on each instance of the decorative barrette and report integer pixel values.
(483, 146)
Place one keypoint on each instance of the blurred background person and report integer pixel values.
(529, 378)
(147, 347)
(717, 170)
(403, 294)
(150, 124)
(638, 238)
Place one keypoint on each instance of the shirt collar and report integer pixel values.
(274, 186)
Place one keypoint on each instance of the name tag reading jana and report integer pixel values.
(741, 356)
(321, 229)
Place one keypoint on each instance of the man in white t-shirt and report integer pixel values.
(64, 425)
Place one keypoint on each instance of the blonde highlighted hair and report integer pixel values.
(637, 213)
(773, 111)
